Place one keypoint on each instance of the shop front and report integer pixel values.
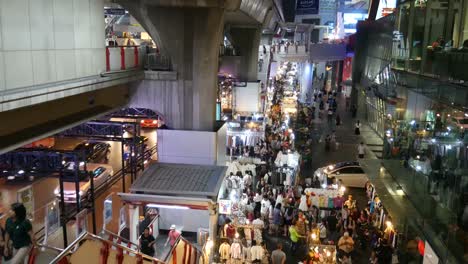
(184, 198)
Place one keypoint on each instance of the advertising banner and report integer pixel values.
(52, 219)
(347, 68)
(307, 7)
(107, 210)
(26, 197)
(81, 222)
(122, 218)
(225, 206)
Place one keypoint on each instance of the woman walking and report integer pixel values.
(357, 128)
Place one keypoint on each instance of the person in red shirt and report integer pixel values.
(172, 236)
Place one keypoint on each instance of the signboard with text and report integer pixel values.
(307, 7)
(225, 207)
(26, 197)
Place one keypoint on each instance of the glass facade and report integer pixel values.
(412, 82)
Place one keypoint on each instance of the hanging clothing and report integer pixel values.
(236, 251)
(257, 253)
(225, 251)
(303, 204)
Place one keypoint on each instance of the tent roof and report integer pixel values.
(180, 180)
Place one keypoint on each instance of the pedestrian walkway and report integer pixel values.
(345, 150)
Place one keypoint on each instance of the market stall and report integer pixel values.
(185, 197)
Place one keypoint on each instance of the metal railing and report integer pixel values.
(87, 236)
(112, 235)
(157, 62)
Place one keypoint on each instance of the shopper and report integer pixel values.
(345, 245)
(323, 230)
(294, 236)
(332, 225)
(19, 231)
(172, 236)
(288, 219)
(277, 218)
(384, 253)
(338, 119)
(147, 243)
(361, 150)
(350, 225)
(353, 111)
(278, 256)
(357, 128)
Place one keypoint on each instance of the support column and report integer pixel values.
(247, 42)
(190, 36)
(133, 223)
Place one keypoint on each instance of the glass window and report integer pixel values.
(347, 170)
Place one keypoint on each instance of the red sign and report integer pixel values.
(347, 68)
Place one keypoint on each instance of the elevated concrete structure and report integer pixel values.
(191, 32)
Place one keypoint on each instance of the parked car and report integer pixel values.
(101, 173)
(149, 123)
(20, 175)
(95, 151)
(350, 173)
(461, 122)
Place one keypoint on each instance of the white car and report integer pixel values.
(461, 122)
(350, 173)
(101, 173)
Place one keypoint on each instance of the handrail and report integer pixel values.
(123, 239)
(85, 235)
(172, 248)
(49, 247)
(152, 221)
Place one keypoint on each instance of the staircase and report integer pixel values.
(92, 249)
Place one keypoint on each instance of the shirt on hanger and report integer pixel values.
(225, 251)
(236, 250)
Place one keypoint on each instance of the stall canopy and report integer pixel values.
(192, 185)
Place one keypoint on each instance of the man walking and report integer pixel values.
(278, 256)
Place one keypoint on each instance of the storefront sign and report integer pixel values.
(26, 197)
(224, 206)
(81, 222)
(307, 7)
(52, 219)
(107, 210)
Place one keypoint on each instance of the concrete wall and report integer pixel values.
(247, 98)
(165, 94)
(187, 147)
(189, 220)
(43, 41)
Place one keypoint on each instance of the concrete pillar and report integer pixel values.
(247, 41)
(191, 37)
(133, 222)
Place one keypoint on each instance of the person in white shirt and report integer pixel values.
(265, 207)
